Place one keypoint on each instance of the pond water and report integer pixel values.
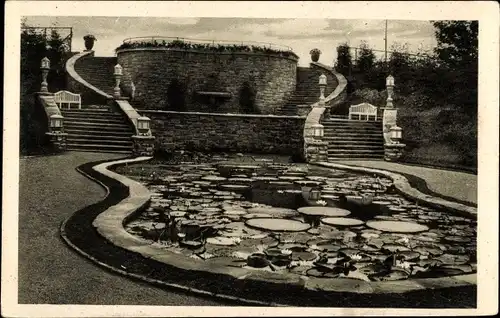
(298, 218)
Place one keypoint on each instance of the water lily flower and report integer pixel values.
(356, 257)
(321, 202)
(404, 265)
(280, 191)
(286, 251)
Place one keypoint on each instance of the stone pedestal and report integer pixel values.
(393, 152)
(57, 141)
(388, 120)
(143, 145)
(316, 150)
(303, 110)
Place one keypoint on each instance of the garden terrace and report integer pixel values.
(207, 46)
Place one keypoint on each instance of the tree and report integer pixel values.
(34, 47)
(457, 42)
(458, 49)
(344, 59)
(366, 58)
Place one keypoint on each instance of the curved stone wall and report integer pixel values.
(152, 70)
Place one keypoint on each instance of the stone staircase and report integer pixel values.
(97, 129)
(97, 71)
(353, 139)
(306, 92)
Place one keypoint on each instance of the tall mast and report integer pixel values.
(385, 39)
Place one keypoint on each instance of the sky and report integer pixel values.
(301, 35)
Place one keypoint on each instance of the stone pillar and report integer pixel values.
(143, 145)
(45, 67)
(316, 151)
(57, 140)
(393, 152)
(118, 75)
(388, 120)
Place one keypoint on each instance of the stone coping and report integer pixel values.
(403, 186)
(259, 54)
(70, 68)
(166, 112)
(109, 224)
(342, 83)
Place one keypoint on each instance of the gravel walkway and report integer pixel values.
(50, 272)
(454, 184)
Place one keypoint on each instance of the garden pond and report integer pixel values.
(272, 215)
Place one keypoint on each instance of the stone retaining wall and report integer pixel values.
(152, 70)
(227, 132)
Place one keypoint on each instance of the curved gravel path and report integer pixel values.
(50, 190)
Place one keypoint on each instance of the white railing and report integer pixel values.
(65, 97)
(363, 109)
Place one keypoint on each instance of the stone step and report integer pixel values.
(351, 129)
(98, 147)
(343, 141)
(344, 121)
(347, 153)
(99, 150)
(90, 139)
(87, 111)
(89, 122)
(353, 139)
(106, 119)
(98, 132)
(355, 157)
(89, 135)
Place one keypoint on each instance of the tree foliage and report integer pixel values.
(344, 59)
(457, 42)
(366, 58)
(436, 92)
(34, 47)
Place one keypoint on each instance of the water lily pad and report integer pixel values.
(256, 215)
(222, 240)
(369, 236)
(457, 239)
(397, 226)
(314, 272)
(273, 212)
(235, 212)
(234, 187)
(392, 248)
(303, 256)
(409, 255)
(213, 178)
(294, 237)
(393, 274)
(313, 231)
(428, 250)
(453, 259)
(324, 211)
(274, 224)
(257, 260)
(339, 221)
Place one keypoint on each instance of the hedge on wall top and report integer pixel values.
(231, 48)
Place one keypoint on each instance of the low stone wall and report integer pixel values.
(227, 132)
